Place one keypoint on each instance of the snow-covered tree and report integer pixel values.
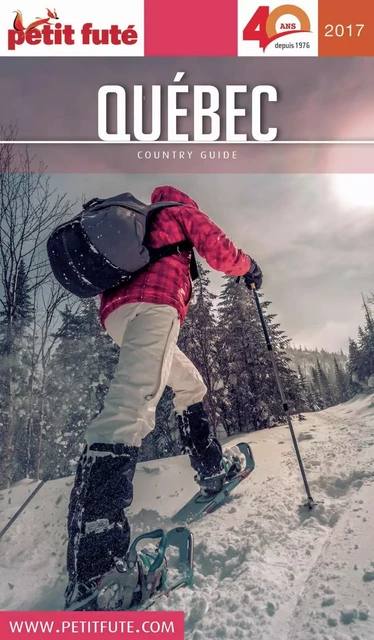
(353, 359)
(250, 399)
(15, 363)
(366, 346)
(163, 441)
(29, 209)
(325, 386)
(198, 340)
(80, 371)
(341, 384)
(306, 400)
(361, 354)
(316, 390)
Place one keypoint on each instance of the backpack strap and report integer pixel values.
(193, 268)
(177, 247)
(158, 206)
(169, 250)
(89, 204)
(172, 249)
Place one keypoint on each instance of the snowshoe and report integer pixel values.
(204, 502)
(142, 576)
(233, 462)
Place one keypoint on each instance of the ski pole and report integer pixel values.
(310, 502)
(21, 509)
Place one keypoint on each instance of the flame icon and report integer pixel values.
(19, 26)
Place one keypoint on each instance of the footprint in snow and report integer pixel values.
(368, 576)
(199, 606)
(347, 616)
(305, 436)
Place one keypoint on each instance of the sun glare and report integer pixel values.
(355, 189)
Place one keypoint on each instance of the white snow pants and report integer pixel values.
(149, 360)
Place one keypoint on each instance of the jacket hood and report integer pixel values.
(173, 194)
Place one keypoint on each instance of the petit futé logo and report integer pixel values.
(49, 31)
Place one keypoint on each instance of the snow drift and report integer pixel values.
(263, 567)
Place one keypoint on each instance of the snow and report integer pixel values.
(264, 566)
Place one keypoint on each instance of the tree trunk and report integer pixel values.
(40, 433)
(8, 455)
(29, 427)
(31, 389)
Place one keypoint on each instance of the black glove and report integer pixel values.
(253, 276)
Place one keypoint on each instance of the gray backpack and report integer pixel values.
(105, 245)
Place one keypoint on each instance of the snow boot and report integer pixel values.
(213, 466)
(204, 450)
(99, 533)
(233, 462)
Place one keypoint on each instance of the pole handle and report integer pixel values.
(253, 286)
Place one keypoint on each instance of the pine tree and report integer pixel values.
(15, 358)
(163, 441)
(341, 383)
(317, 391)
(306, 400)
(81, 369)
(354, 359)
(251, 398)
(366, 345)
(325, 386)
(24, 356)
(361, 354)
(198, 340)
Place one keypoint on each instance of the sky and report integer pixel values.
(315, 252)
(311, 231)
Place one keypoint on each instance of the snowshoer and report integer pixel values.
(144, 317)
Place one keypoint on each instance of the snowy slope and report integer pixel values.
(263, 568)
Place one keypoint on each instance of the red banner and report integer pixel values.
(157, 625)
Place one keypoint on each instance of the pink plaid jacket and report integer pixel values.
(168, 281)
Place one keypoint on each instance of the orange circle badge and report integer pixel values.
(281, 11)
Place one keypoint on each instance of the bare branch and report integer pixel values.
(29, 210)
